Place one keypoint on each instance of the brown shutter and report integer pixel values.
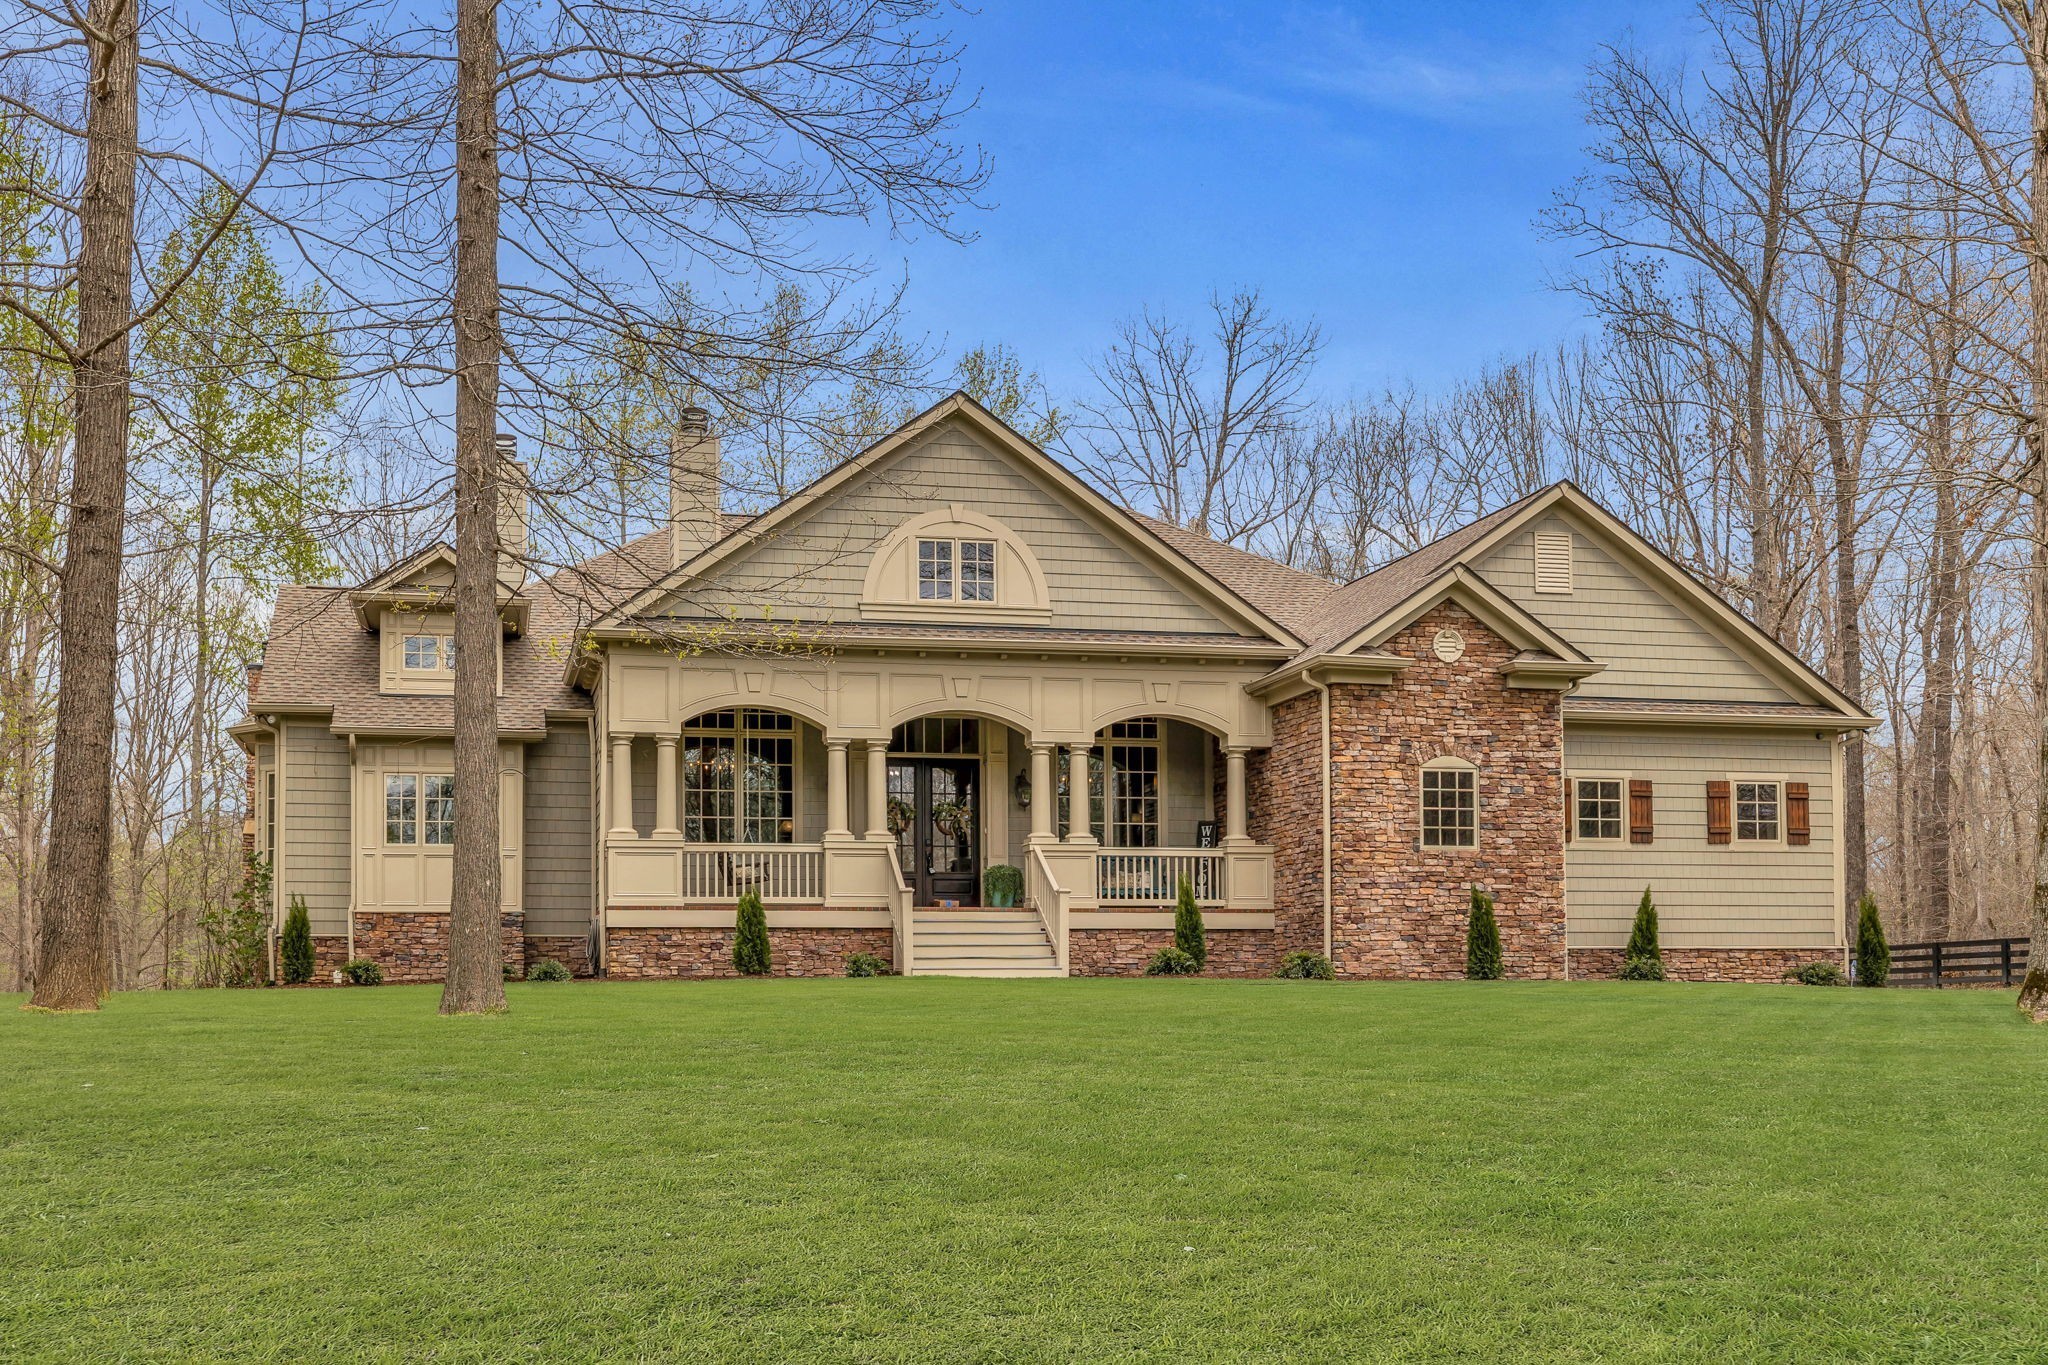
(1642, 824)
(1718, 825)
(1798, 814)
(1571, 807)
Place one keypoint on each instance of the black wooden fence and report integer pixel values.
(1960, 962)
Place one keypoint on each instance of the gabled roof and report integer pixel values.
(1139, 533)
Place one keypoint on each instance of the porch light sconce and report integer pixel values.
(1022, 789)
(786, 828)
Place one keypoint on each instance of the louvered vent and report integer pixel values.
(1553, 561)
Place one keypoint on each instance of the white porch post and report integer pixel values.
(838, 796)
(1045, 798)
(665, 785)
(1236, 818)
(1080, 815)
(878, 789)
(622, 784)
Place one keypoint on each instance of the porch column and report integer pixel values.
(1045, 798)
(1236, 818)
(665, 785)
(1080, 822)
(622, 784)
(838, 796)
(878, 789)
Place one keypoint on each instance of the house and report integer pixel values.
(861, 700)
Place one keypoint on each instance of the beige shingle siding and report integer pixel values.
(1187, 783)
(1652, 648)
(1708, 896)
(558, 832)
(815, 567)
(314, 826)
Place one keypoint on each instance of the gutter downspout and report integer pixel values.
(355, 860)
(1323, 691)
(277, 853)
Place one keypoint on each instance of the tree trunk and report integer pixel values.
(73, 970)
(1848, 488)
(1938, 700)
(476, 982)
(2033, 998)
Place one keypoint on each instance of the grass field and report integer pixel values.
(938, 1170)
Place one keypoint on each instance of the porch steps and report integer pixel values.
(972, 941)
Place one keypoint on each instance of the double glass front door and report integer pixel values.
(935, 814)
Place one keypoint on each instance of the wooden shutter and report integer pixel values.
(1798, 814)
(1719, 827)
(1642, 824)
(1571, 807)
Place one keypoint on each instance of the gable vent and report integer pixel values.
(1553, 561)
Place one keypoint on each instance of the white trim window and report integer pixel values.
(975, 580)
(427, 653)
(1450, 804)
(1758, 809)
(1599, 809)
(419, 808)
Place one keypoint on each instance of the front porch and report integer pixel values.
(872, 839)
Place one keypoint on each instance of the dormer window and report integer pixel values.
(429, 653)
(976, 564)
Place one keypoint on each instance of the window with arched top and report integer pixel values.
(955, 564)
(1450, 804)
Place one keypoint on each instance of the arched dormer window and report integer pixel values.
(957, 565)
(1450, 804)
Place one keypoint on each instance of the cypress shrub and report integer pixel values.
(1482, 940)
(750, 944)
(1873, 952)
(296, 952)
(1189, 935)
(1644, 958)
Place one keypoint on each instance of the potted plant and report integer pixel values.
(1003, 885)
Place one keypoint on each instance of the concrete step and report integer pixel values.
(928, 951)
(971, 915)
(971, 967)
(969, 938)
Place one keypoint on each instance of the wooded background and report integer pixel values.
(1815, 295)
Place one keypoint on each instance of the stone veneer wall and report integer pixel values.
(330, 951)
(413, 945)
(571, 950)
(1400, 910)
(1124, 952)
(1284, 793)
(1706, 964)
(647, 954)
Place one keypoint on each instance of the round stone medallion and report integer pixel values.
(1450, 646)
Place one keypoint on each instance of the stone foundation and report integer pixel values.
(413, 945)
(571, 950)
(329, 952)
(1767, 965)
(1124, 952)
(653, 954)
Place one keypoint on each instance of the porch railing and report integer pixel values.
(1151, 876)
(776, 872)
(1050, 900)
(902, 919)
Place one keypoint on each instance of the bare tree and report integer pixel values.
(1194, 429)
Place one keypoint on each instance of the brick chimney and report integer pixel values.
(694, 485)
(512, 513)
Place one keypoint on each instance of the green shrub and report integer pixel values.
(1817, 974)
(235, 932)
(547, 969)
(296, 952)
(1172, 962)
(1003, 885)
(1873, 952)
(1482, 940)
(750, 943)
(866, 964)
(360, 971)
(1306, 967)
(1190, 935)
(1642, 969)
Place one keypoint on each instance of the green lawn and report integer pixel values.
(937, 1170)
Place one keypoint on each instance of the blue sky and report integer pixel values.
(1377, 165)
